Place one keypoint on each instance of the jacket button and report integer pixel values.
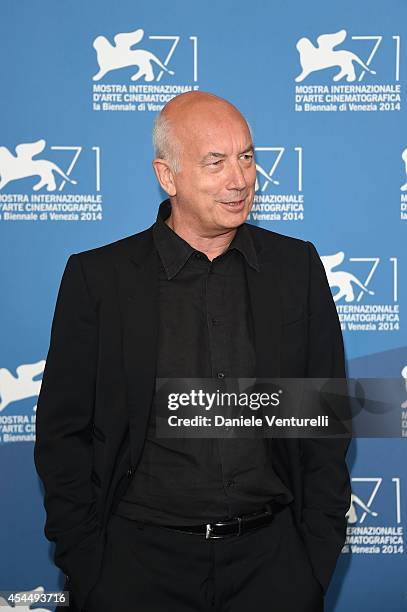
(130, 472)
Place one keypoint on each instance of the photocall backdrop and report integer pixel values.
(323, 88)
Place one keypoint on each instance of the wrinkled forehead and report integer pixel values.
(214, 129)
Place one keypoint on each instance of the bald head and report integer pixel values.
(183, 116)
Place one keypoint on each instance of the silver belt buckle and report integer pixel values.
(208, 533)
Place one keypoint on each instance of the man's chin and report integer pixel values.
(233, 220)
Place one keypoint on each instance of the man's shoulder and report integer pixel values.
(129, 246)
(99, 265)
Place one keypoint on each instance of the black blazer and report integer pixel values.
(99, 381)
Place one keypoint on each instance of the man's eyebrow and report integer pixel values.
(211, 154)
(217, 155)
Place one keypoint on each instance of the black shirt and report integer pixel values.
(205, 331)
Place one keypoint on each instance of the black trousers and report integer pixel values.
(153, 569)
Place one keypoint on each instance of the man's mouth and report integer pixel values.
(234, 204)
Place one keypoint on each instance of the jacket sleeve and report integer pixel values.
(63, 448)
(326, 493)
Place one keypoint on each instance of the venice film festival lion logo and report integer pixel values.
(261, 173)
(277, 157)
(341, 279)
(23, 165)
(357, 505)
(324, 55)
(376, 491)
(23, 386)
(122, 54)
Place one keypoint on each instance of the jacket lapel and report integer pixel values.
(139, 313)
(265, 297)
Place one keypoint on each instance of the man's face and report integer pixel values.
(216, 181)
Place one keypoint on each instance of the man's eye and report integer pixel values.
(217, 163)
(248, 156)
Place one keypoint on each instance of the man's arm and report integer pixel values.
(63, 449)
(326, 477)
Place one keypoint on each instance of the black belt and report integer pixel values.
(234, 526)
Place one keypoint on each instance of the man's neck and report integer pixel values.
(212, 246)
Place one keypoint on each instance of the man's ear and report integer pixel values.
(165, 176)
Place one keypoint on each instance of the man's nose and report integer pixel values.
(236, 177)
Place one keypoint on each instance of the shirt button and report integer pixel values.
(230, 483)
(221, 375)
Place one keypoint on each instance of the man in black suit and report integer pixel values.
(147, 524)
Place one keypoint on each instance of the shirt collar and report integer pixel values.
(174, 251)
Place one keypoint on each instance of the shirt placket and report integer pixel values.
(220, 366)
